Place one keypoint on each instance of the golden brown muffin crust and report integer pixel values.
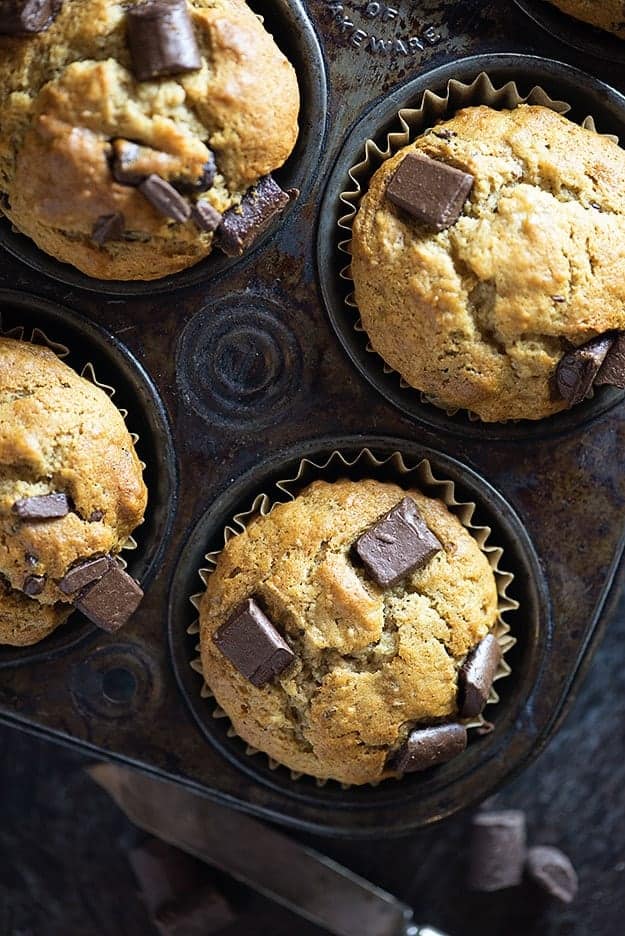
(370, 662)
(478, 316)
(606, 14)
(68, 92)
(58, 434)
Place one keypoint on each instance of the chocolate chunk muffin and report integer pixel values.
(489, 249)
(335, 632)
(138, 136)
(71, 493)
(606, 14)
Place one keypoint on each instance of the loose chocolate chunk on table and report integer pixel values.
(241, 226)
(430, 190)
(42, 507)
(111, 600)
(165, 198)
(83, 574)
(426, 747)
(399, 543)
(108, 227)
(253, 645)
(34, 585)
(612, 371)
(161, 39)
(476, 676)
(577, 370)
(497, 850)
(552, 871)
(21, 17)
(205, 217)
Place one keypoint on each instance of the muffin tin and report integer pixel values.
(234, 371)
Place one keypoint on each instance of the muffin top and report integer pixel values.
(59, 435)
(479, 315)
(607, 14)
(370, 662)
(74, 110)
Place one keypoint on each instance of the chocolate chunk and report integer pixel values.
(203, 183)
(110, 601)
(476, 676)
(30, 559)
(253, 645)
(42, 507)
(399, 543)
(108, 227)
(205, 217)
(577, 370)
(430, 190)
(612, 371)
(242, 225)
(126, 162)
(426, 747)
(552, 871)
(165, 198)
(497, 850)
(24, 17)
(87, 571)
(161, 39)
(34, 585)
(96, 516)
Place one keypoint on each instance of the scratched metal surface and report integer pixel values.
(241, 361)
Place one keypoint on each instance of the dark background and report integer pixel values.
(64, 871)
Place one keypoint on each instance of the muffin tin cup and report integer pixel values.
(288, 22)
(365, 464)
(493, 85)
(18, 308)
(575, 33)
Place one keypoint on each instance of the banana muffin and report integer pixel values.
(139, 135)
(347, 633)
(607, 14)
(71, 493)
(486, 252)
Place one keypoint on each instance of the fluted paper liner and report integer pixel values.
(419, 476)
(413, 123)
(37, 336)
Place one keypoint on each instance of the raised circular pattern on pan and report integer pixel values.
(113, 682)
(574, 32)
(238, 363)
(586, 95)
(526, 657)
(134, 391)
(290, 26)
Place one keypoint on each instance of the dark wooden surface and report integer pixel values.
(63, 844)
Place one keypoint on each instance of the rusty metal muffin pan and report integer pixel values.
(233, 371)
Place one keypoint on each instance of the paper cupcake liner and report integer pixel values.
(419, 476)
(37, 336)
(413, 123)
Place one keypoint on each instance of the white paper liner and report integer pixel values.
(37, 336)
(414, 122)
(420, 477)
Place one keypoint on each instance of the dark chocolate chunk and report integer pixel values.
(497, 850)
(165, 198)
(110, 601)
(42, 507)
(241, 226)
(577, 370)
(205, 217)
(30, 559)
(125, 161)
(96, 516)
(397, 544)
(24, 17)
(430, 190)
(161, 39)
(108, 227)
(252, 644)
(426, 747)
(81, 575)
(476, 676)
(203, 183)
(34, 585)
(552, 871)
(612, 371)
